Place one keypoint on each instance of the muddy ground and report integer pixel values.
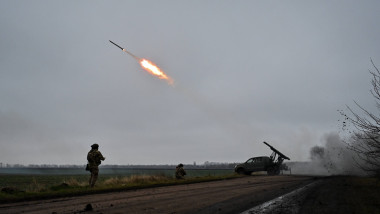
(343, 195)
(227, 196)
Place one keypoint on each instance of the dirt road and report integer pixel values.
(228, 196)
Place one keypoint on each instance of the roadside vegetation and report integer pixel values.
(25, 187)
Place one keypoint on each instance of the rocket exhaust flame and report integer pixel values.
(148, 66)
(153, 69)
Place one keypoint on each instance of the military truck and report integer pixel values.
(272, 164)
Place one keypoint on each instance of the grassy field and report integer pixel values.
(16, 187)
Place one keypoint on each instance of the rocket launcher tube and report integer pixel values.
(276, 151)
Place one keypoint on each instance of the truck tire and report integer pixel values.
(273, 171)
(241, 171)
(277, 171)
(270, 171)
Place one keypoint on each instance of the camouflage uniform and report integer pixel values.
(179, 171)
(94, 158)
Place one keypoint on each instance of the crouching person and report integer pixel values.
(180, 172)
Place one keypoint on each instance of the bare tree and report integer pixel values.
(365, 140)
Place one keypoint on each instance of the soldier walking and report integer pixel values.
(179, 171)
(94, 158)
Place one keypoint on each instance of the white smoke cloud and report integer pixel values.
(334, 158)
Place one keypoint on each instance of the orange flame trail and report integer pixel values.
(148, 66)
(154, 70)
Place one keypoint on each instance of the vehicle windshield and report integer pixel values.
(252, 160)
(255, 160)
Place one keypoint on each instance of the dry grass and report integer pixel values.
(74, 182)
(34, 186)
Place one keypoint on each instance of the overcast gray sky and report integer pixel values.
(245, 72)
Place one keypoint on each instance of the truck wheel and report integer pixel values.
(241, 171)
(277, 172)
(270, 171)
(273, 171)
